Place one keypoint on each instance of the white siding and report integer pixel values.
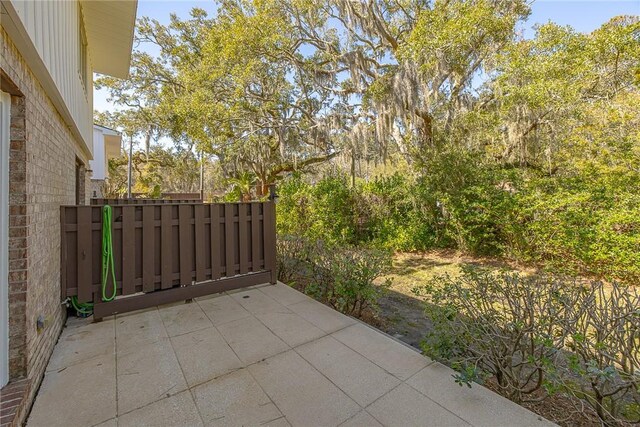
(54, 30)
(99, 162)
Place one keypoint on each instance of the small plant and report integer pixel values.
(354, 272)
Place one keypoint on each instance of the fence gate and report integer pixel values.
(167, 252)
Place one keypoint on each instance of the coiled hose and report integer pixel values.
(108, 266)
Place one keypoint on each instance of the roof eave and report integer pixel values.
(109, 26)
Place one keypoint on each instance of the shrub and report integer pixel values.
(293, 258)
(501, 325)
(537, 335)
(393, 213)
(475, 201)
(323, 211)
(605, 352)
(586, 224)
(342, 277)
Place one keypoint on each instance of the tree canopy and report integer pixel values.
(274, 86)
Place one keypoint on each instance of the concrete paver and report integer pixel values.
(361, 379)
(235, 399)
(222, 309)
(83, 342)
(477, 405)
(139, 328)
(176, 410)
(305, 396)
(284, 294)
(390, 355)
(146, 374)
(361, 419)
(406, 407)
(321, 316)
(290, 327)
(257, 302)
(69, 397)
(183, 318)
(204, 355)
(251, 340)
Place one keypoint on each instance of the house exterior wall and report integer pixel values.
(43, 157)
(99, 156)
(50, 41)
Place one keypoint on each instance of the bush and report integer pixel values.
(538, 335)
(605, 352)
(475, 201)
(293, 258)
(586, 224)
(501, 325)
(583, 223)
(394, 214)
(324, 211)
(342, 277)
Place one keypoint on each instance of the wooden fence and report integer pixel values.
(134, 201)
(167, 252)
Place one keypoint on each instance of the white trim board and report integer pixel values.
(5, 117)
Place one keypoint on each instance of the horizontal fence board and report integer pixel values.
(138, 302)
(161, 247)
(141, 201)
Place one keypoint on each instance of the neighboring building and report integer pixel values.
(106, 145)
(47, 55)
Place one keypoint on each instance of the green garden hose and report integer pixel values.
(107, 254)
(82, 308)
(86, 308)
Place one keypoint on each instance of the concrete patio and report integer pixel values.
(267, 355)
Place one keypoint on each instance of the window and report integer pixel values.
(82, 58)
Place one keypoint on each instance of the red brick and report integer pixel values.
(17, 276)
(18, 210)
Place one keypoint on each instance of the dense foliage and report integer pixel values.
(588, 225)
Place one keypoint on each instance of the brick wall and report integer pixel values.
(42, 172)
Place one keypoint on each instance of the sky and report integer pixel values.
(583, 15)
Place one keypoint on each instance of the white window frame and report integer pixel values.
(5, 117)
